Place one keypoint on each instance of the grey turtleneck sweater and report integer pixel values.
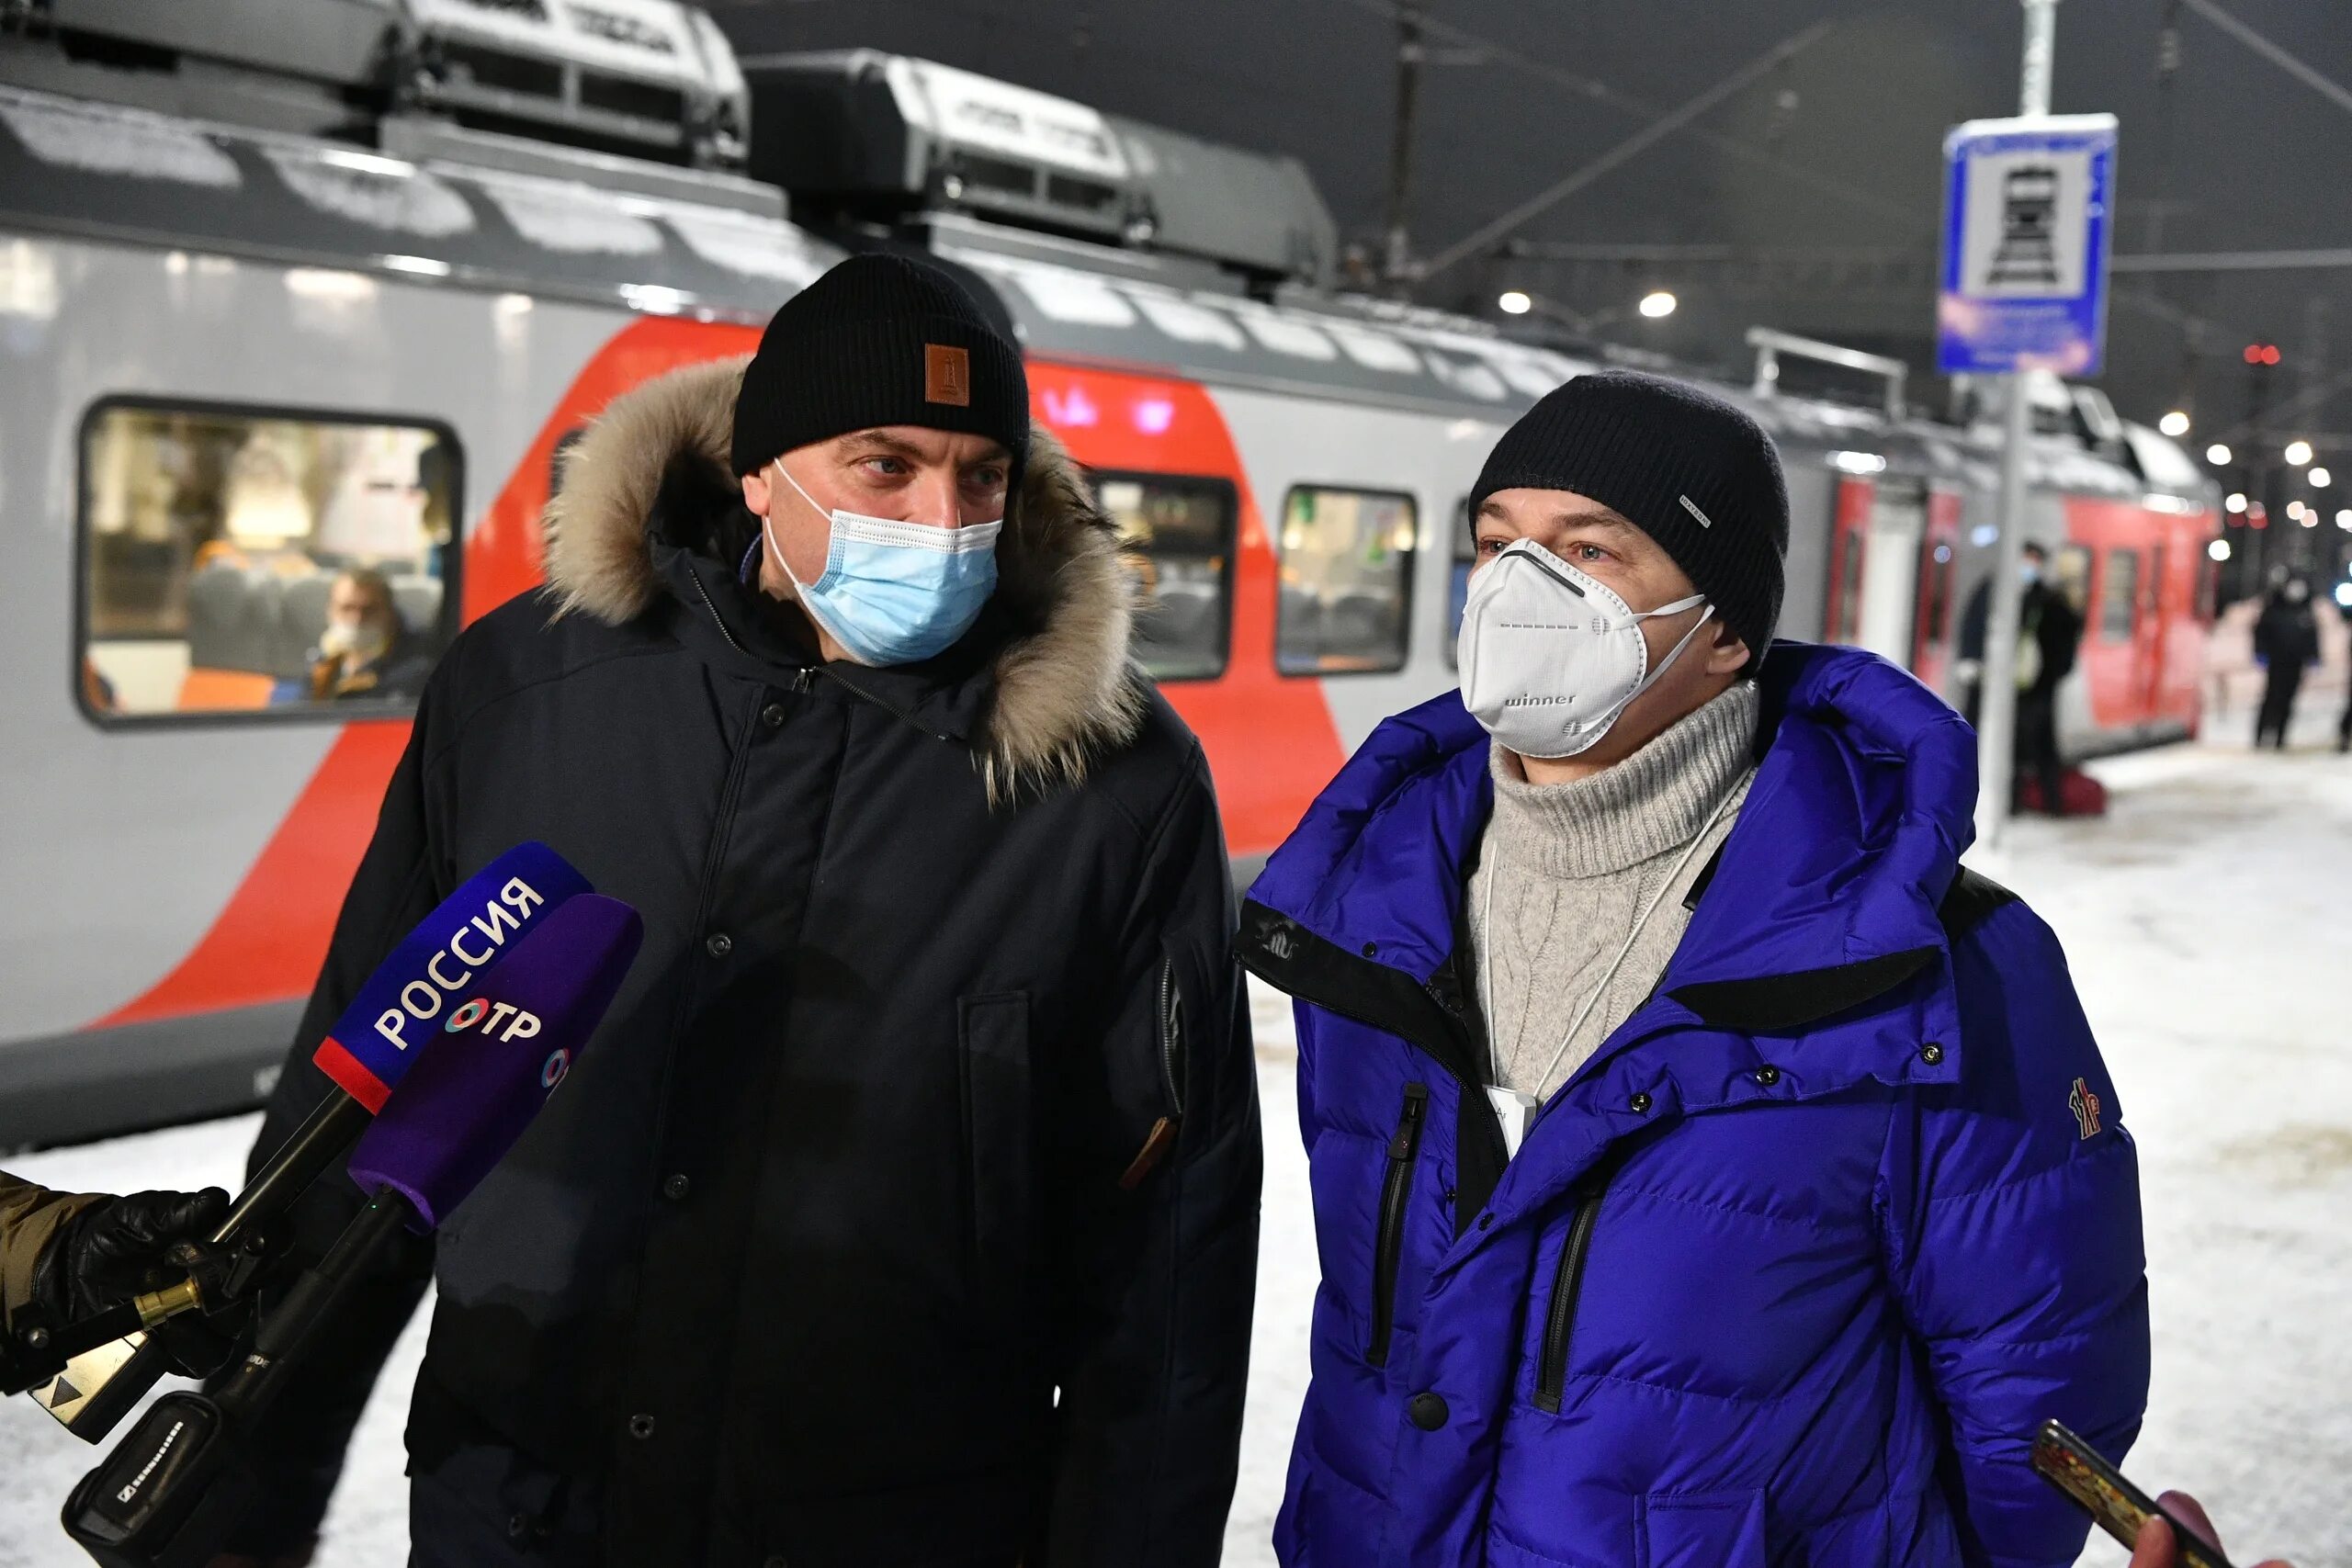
(1566, 870)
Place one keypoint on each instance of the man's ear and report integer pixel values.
(755, 493)
(1728, 653)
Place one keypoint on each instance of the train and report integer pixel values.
(243, 349)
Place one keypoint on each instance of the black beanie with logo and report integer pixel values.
(879, 339)
(1692, 471)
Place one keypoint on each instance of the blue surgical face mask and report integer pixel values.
(895, 592)
(2030, 574)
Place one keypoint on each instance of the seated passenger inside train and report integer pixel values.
(365, 651)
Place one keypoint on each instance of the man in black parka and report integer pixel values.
(905, 1211)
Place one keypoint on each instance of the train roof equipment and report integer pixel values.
(647, 79)
(888, 137)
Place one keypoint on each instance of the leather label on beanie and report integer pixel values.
(946, 374)
(1692, 508)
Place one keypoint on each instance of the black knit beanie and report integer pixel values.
(1686, 468)
(879, 339)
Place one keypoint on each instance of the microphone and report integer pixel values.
(171, 1489)
(91, 1374)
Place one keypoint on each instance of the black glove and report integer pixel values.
(119, 1247)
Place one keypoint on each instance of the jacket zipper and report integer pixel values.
(718, 620)
(1393, 1191)
(1172, 1037)
(1551, 1369)
(885, 703)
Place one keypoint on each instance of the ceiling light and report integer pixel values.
(1515, 302)
(2236, 501)
(1658, 303)
(2218, 455)
(2299, 452)
(2173, 424)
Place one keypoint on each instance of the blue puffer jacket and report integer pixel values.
(1791, 1270)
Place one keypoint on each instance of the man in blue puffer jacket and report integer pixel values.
(1708, 1171)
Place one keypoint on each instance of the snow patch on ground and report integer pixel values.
(2206, 921)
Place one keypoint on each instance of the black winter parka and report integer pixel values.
(904, 1210)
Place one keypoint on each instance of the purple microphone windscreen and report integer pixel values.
(502, 1050)
(452, 951)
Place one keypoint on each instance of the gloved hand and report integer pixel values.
(119, 1246)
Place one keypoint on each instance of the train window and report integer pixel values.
(1465, 555)
(2118, 596)
(1347, 581)
(255, 562)
(558, 453)
(1178, 538)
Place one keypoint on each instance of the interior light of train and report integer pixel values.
(1515, 302)
(330, 285)
(423, 266)
(1658, 303)
(2320, 478)
(2235, 501)
(1072, 408)
(2174, 423)
(1984, 533)
(2218, 455)
(1858, 462)
(2298, 453)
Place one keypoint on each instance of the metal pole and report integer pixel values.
(1398, 263)
(1997, 704)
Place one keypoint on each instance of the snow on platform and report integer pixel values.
(2208, 923)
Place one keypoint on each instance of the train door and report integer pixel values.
(1889, 569)
(1847, 548)
(1938, 569)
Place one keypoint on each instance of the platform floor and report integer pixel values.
(2208, 923)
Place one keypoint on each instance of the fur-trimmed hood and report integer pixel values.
(1065, 691)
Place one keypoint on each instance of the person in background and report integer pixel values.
(2050, 633)
(1707, 1168)
(2286, 641)
(366, 651)
(75, 1254)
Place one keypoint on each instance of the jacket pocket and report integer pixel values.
(1388, 1243)
(1000, 1145)
(1702, 1529)
(1169, 1046)
(1560, 1311)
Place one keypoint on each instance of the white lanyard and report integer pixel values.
(1524, 1103)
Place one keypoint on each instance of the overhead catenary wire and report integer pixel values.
(1657, 130)
(1511, 58)
(2292, 65)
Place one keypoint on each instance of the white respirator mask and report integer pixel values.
(1550, 656)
